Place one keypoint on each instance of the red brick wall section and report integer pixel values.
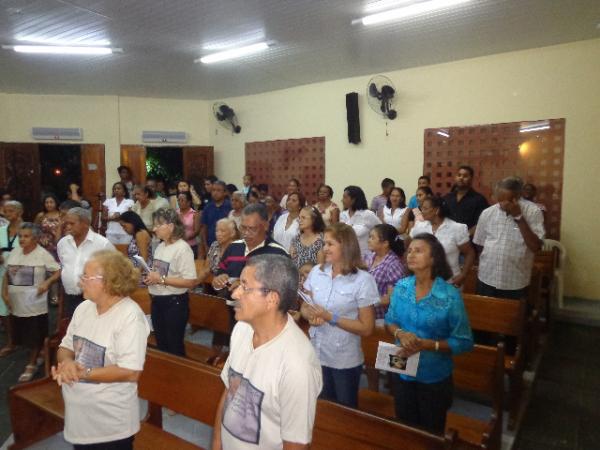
(275, 162)
(499, 150)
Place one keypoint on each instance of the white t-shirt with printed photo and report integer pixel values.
(24, 274)
(173, 260)
(272, 390)
(103, 412)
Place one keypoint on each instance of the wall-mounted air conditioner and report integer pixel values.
(164, 137)
(57, 134)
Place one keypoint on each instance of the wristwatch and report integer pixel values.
(334, 319)
(517, 218)
(88, 371)
(162, 280)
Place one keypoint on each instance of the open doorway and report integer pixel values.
(60, 165)
(165, 163)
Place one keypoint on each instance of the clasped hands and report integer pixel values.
(317, 315)
(152, 277)
(67, 372)
(410, 344)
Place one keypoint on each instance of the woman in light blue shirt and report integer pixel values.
(343, 296)
(427, 315)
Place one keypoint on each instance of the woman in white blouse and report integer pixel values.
(358, 215)
(112, 209)
(343, 295)
(453, 236)
(286, 228)
(395, 208)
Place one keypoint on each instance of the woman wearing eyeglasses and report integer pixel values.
(173, 274)
(101, 357)
(307, 245)
(343, 295)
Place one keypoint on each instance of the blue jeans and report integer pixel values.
(341, 385)
(170, 315)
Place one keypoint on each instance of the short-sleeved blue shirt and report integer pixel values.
(211, 214)
(440, 316)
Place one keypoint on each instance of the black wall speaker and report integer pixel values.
(352, 116)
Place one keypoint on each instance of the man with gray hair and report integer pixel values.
(272, 375)
(74, 250)
(510, 232)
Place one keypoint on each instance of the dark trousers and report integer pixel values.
(170, 315)
(71, 302)
(341, 385)
(121, 444)
(423, 405)
(481, 337)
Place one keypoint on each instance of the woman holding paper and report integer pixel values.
(427, 315)
(141, 240)
(339, 308)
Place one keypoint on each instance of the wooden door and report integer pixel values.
(134, 157)
(93, 178)
(198, 162)
(20, 175)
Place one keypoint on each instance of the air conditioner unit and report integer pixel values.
(165, 137)
(57, 134)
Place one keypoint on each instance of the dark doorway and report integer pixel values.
(165, 163)
(60, 166)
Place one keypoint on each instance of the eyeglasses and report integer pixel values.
(246, 229)
(83, 277)
(246, 289)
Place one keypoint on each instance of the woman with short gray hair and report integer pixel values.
(173, 274)
(25, 292)
(238, 202)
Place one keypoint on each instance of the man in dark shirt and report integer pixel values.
(465, 204)
(218, 208)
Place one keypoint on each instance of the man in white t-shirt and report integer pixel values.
(272, 376)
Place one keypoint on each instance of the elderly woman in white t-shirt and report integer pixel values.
(101, 357)
(173, 274)
(358, 215)
(453, 236)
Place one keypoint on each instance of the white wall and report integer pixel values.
(551, 82)
(107, 120)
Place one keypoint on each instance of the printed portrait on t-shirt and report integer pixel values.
(20, 275)
(241, 412)
(88, 353)
(162, 267)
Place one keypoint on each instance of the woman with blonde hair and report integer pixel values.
(341, 311)
(101, 357)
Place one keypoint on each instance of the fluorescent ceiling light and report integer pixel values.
(378, 5)
(61, 50)
(528, 127)
(233, 53)
(443, 133)
(409, 11)
(63, 42)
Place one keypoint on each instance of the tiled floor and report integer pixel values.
(564, 411)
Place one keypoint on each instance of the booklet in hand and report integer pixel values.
(388, 360)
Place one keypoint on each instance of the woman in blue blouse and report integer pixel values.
(343, 295)
(427, 315)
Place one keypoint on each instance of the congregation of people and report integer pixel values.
(390, 263)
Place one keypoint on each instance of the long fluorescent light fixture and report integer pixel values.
(233, 53)
(539, 126)
(62, 50)
(409, 11)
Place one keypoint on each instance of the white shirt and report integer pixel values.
(102, 412)
(173, 260)
(506, 261)
(283, 202)
(451, 235)
(73, 258)
(282, 236)
(114, 228)
(342, 295)
(146, 213)
(394, 218)
(362, 221)
(25, 273)
(271, 390)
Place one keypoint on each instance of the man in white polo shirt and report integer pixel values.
(73, 252)
(272, 376)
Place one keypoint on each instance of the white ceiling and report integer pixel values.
(315, 40)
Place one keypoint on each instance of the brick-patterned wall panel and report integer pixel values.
(499, 150)
(275, 162)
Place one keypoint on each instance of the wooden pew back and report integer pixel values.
(182, 385)
(142, 297)
(495, 315)
(209, 312)
(481, 370)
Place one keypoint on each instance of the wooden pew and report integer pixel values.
(206, 312)
(506, 317)
(185, 386)
(480, 371)
(338, 427)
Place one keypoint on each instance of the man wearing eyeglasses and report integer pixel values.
(272, 376)
(255, 241)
